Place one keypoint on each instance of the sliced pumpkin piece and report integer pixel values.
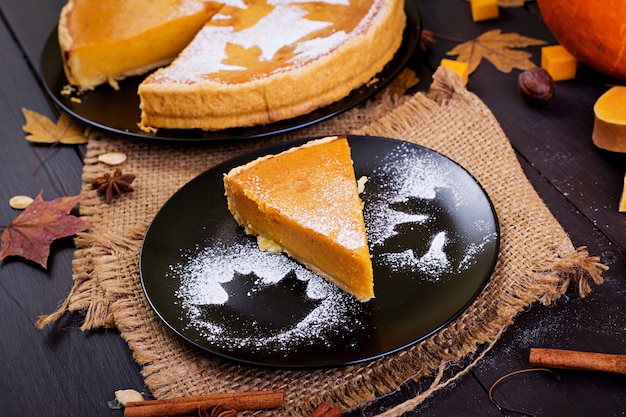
(609, 128)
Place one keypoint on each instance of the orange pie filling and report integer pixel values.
(305, 200)
(104, 41)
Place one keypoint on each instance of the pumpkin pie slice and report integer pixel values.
(105, 41)
(305, 202)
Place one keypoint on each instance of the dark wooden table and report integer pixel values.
(62, 371)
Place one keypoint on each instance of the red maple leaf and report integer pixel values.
(32, 232)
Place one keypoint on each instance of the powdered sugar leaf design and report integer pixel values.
(417, 195)
(197, 59)
(205, 274)
(287, 18)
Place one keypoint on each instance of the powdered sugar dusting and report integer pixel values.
(234, 3)
(203, 278)
(433, 263)
(216, 265)
(286, 25)
(411, 185)
(383, 220)
(186, 7)
(336, 2)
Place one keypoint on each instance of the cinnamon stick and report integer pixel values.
(326, 410)
(334, 412)
(188, 405)
(321, 409)
(584, 361)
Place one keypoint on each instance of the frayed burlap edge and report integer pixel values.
(537, 263)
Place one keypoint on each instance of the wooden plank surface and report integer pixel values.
(59, 370)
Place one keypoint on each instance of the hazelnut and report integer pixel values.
(536, 86)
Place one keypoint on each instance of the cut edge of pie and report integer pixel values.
(94, 51)
(305, 202)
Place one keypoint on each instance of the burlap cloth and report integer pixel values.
(537, 261)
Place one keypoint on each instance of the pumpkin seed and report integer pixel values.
(20, 202)
(112, 158)
(124, 396)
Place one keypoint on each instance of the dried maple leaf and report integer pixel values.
(113, 185)
(497, 48)
(43, 130)
(32, 232)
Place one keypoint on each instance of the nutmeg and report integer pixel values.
(536, 86)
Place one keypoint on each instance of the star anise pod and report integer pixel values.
(113, 185)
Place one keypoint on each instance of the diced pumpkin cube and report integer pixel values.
(484, 9)
(559, 63)
(460, 67)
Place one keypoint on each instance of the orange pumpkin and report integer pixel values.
(594, 31)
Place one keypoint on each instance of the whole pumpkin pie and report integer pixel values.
(237, 63)
(305, 202)
(272, 60)
(105, 41)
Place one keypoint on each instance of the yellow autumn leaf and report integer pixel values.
(43, 130)
(499, 49)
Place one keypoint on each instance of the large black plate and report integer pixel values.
(434, 238)
(118, 111)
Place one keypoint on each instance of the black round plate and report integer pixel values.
(434, 239)
(118, 111)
